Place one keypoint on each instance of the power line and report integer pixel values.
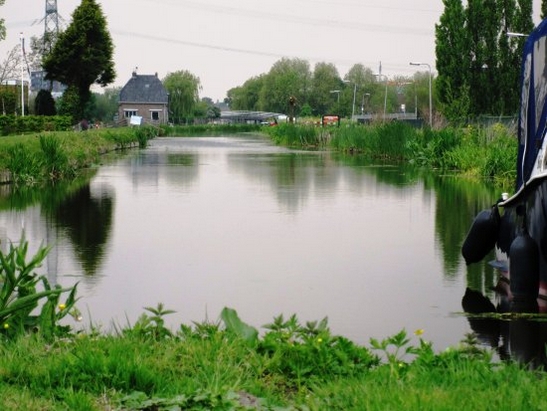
(248, 51)
(287, 18)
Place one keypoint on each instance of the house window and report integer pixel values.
(130, 113)
(154, 115)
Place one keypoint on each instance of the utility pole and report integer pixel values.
(22, 39)
(51, 30)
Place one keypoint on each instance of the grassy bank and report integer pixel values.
(484, 153)
(46, 363)
(210, 367)
(51, 156)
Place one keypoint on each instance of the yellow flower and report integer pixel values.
(62, 307)
(419, 332)
(6, 326)
(319, 340)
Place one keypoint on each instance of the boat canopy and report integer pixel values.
(533, 109)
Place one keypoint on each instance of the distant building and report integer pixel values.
(144, 100)
(38, 82)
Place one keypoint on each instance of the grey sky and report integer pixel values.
(225, 42)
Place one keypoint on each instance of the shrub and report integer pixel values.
(20, 296)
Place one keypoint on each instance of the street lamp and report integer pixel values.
(379, 75)
(22, 75)
(337, 92)
(353, 105)
(430, 103)
(363, 103)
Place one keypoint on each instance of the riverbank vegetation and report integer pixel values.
(487, 153)
(477, 152)
(51, 156)
(47, 363)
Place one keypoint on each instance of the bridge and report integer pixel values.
(256, 117)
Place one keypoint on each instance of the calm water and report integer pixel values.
(203, 223)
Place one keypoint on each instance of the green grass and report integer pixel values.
(53, 156)
(208, 366)
(475, 152)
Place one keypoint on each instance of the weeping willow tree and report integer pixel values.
(183, 88)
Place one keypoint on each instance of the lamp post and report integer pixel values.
(363, 103)
(354, 92)
(412, 63)
(380, 75)
(22, 76)
(338, 93)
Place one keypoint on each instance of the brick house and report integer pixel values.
(144, 99)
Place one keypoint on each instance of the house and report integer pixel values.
(143, 100)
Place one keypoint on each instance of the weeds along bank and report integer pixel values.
(479, 152)
(51, 156)
(47, 364)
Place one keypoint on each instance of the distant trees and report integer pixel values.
(316, 92)
(247, 96)
(82, 56)
(287, 78)
(104, 106)
(478, 65)
(369, 90)
(183, 88)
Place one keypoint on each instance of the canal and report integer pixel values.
(202, 223)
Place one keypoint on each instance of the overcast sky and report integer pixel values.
(226, 42)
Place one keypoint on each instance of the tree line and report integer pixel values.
(322, 90)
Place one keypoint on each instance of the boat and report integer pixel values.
(515, 226)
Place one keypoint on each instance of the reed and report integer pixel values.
(22, 164)
(55, 156)
(478, 152)
(296, 135)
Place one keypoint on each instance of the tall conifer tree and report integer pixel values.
(82, 56)
(452, 61)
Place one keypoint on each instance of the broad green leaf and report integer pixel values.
(234, 324)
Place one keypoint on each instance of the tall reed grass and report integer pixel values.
(55, 156)
(485, 153)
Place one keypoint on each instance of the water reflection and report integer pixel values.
(203, 223)
(87, 221)
(64, 214)
(520, 339)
